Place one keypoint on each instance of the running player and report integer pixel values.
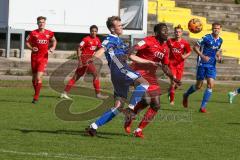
(122, 76)
(179, 51)
(231, 95)
(39, 41)
(208, 50)
(85, 51)
(153, 48)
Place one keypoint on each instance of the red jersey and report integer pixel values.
(177, 49)
(40, 40)
(150, 48)
(88, 46)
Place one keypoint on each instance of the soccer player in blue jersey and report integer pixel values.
(208, 50)
(231, 95)
(122, 76)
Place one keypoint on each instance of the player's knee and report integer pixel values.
(198, 87)
(155, 106)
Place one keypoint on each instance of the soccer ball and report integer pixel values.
(195, 25)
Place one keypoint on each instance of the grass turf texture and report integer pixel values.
(33, 132)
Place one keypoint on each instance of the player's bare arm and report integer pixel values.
(196, 48)
(185, 56)
(54, 44)
(34, 49)
(168, 72)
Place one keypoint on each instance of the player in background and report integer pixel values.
(208, 51)
(153, 48)
(231, 95)
(39, 42)
(85, 51)
(179, 51)
(122, 76)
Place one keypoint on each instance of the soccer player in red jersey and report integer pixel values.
(153, 48)
(39, 41)
(85, 51)
(179, 51)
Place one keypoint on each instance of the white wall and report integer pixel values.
(63, 15)
(3, 13)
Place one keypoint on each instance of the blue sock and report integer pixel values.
(191, 90)
(206, 97)
(238, 90)
(106, 117)
(137, 95)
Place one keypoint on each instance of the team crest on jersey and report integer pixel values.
(47, 35)
(182, 45)
(141, 43)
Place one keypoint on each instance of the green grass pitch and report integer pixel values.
(34, 132)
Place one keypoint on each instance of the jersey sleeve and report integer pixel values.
(29, 37)
(82, 43)
(99, 43)
(51, 34)
(201, 41)
(141, 44)
(107, 44)
(219, 48)
(187, 47)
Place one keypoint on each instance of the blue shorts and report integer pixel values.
(206, 72)
(121, 80)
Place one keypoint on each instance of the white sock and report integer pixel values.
(94, 126)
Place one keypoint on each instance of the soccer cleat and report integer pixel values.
(138, 134)
(172, 103)
(127, 126)
(100, 96)
(203, 110)
(90, 131)
(230, 97)
(34, 101)
(129, 114)
(64, 95)
(185, 101)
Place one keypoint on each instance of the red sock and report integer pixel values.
(139, 107)
(71, 82)
(171, 94)
(34, 85)
(147, 118)
(37, 92)
(96, 84)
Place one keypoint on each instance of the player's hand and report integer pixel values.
(51, 50)
(219, 59)
(206, 58)
(34, 49)
(178, 82)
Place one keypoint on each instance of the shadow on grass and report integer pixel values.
(233, 123)
(15, 101)
(72, 132)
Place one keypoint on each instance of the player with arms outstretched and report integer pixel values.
(122, 76)
(179, 51)
(153, 48)
(39, 41)
(85, 51)
(208, 49)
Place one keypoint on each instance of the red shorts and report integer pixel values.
(38, 65)
(154, 88)
(177, 70)
(90, 68)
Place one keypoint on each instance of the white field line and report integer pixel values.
(73, 156)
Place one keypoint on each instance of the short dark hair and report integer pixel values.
(178, 27)
(93, 26)
(110, 21)
(159, 26)
(216, 24)
(41, 17)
